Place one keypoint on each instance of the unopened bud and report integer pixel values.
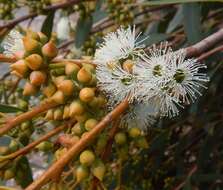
(29, 89)
(87, 157)
(76, 108)
(30, 44)
(67, 87)
(58, 97)
(66, 112)
(20, 67)
(43, 38)
(82, 172)
(49, 115)
(58, 114)
(34, 61)
(98, 170)
(87, 94)
(49, 90)
(90, 124)
(38, 77)
(84, 76)
(49, 50)
(71, 68)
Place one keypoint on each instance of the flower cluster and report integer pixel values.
(157, 83)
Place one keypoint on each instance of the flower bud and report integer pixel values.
(49, 115)
(67, 87)
(82, 173)
(4, 150)
(90, 124)
(71, 68)
(58, 80)
(98, 170)
(134, 132)
(9, 174)
(20, 67)
(58, 97)
(84, 76)
(29, 89)
(31, 34)
(87, 157)
(30, 44)
(23, 104)
(60, 152)
(81, 118)
(120, 138)
(25, 125)
(58, 114)
(128, 65)
(43, 38)
(76, 129)
(45, 146)
(38, 77)
(13, 146)
(49, 50)
(76, 108)
(142, 142)
(34, 61)
(49, 90)
(86, 94)
(66, 112)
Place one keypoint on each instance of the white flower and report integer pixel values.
(118, 45)
(117, 83)
(13, 43)
(188, 81)
(63, 28)
(139, 115)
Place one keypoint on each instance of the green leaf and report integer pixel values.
(9, 109)
(176, 21)
(192, 22)
(48, 24)
(23, 173)
(83, 30)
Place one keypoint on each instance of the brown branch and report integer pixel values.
(29, 147)
(14, 22)
(25, 116)
(58, 166)
(209, 53)
(205, 44)
(191, 172)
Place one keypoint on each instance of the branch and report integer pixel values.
(29, 147)
(205, 44)
(7, 59)
(209, 53)
(58, 166)
(25, 116)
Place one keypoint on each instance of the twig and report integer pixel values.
(58, 166)
(29, 147)
(7, 59)
(211, 52)
(191, 172)
(26, 116)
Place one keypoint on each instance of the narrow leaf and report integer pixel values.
(9, 109)
(47, 26)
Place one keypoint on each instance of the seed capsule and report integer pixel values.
(90, 124)
(38, 77)
(82, 172)
(71, 68)
(49, 90)
(81, 118)
(29, 89)
(84, 76)
(87, 94)
(87, 157)
(67, 87)
(34, 61)
(134, 132)
(13, 146)
(20, 67)
(76, 129)
(58, 97)
(45, 146)
(30, 44)
(9, 174)
(120, 138)
(76, 108)
(49, 50)
(98, 170)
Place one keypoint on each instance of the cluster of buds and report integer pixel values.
(120, 12)
(85, 9)
(6, 8)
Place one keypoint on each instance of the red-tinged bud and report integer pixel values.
(67, 87)
(20, 67)
(29, 89)
(38, 77)
(19, 54)
(50, 50)
(34, 61)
